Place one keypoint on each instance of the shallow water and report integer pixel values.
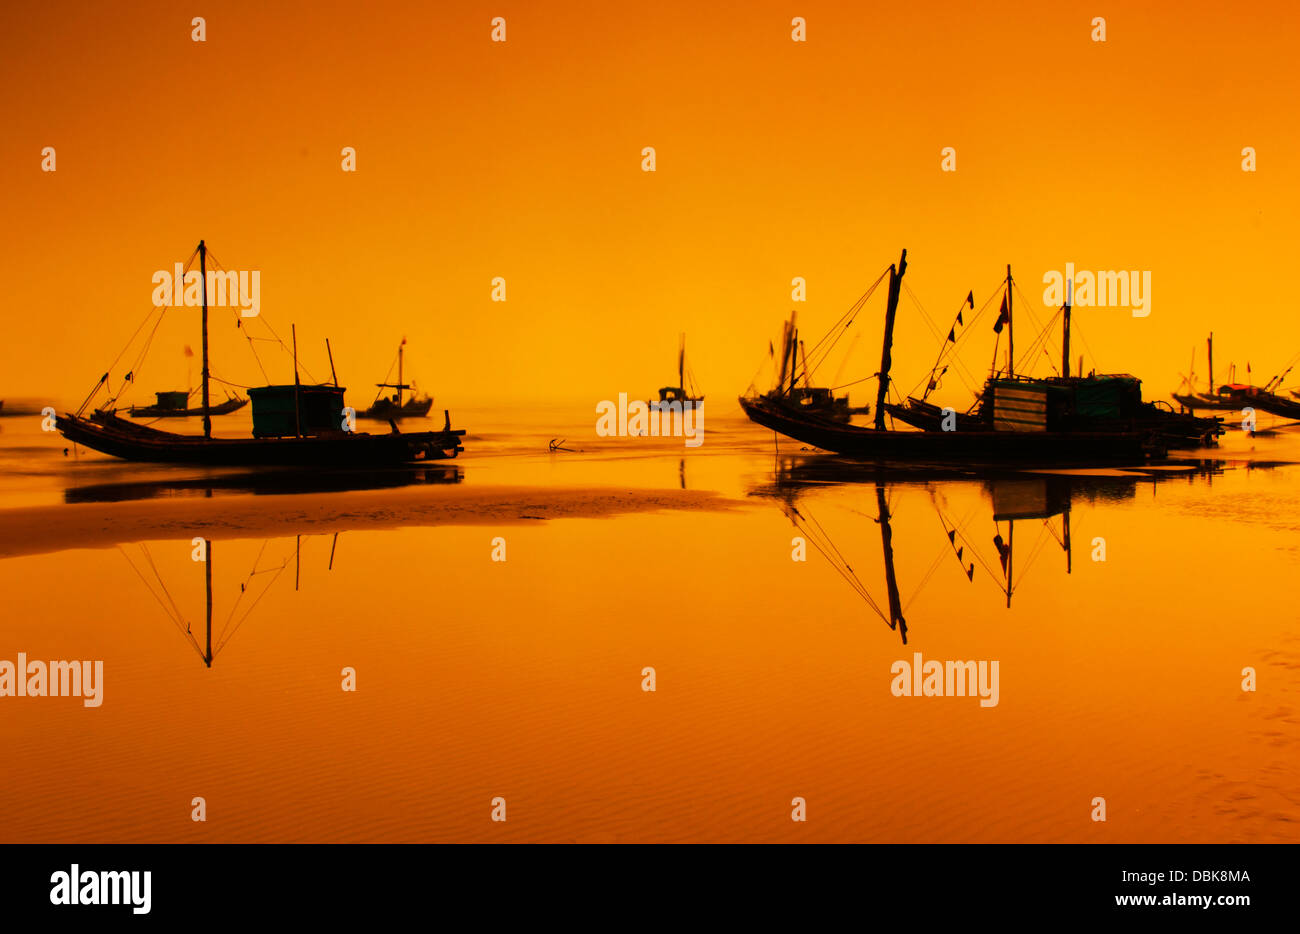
(1119, 678)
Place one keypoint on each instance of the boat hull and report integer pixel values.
(109, 434)
(1175, 430)
(1026, 448)
(384, 410)
(154, 411)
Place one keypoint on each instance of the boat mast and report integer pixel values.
(1011, 544)
(1069, 552)
(1209, 352)
(1011, 330)
(891, 580)
(794, 351)
(401, 348)
(681, 363)
(785, 353)
(297, 417)
(203, 273)
(207, 567)
(1065, 339)
(886, 360)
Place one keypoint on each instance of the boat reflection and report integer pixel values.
(251, 590)
(1041, 498)
(263, 482)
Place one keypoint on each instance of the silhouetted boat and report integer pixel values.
(1236, 396)
(293, 425)
(804, 397)
(1097, 403)
(682, 392)
(394, 407)
(173, 405)
(1021, 429)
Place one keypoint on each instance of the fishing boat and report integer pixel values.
(1234, 396)
(293, 425)
(1095, 403)
(1025, 427)
(1191, 399)
(799, 395)
(394, 407)
(174, 405)
(685, 392)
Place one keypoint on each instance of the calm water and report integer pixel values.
(522, 678)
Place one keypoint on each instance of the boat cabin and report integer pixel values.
(285, 411)
(172, 401)
(1063, 404)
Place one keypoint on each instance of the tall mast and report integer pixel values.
(297, 412)
(207, 569)
(887, 547)
(1069, 552)
(1065, 339)
(785, 354)
(886, 358)
(1209, 352)
(203, 273)
(794, 357)
(681, 363)
(401, 348)
(1011, 544)
(1011, 330)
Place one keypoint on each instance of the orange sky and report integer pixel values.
(775, 159)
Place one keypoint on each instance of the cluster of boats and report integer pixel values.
(1062, 419)
(1067, 418)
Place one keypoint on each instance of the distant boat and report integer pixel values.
(685, 391)
(173, 405)
(1237, 396)
(293, 424)
(394, 407)
(1204, 400)
(1021, 430)
(805, 397)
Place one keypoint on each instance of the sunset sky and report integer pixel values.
(522, 160)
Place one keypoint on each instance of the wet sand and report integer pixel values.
(41, 529)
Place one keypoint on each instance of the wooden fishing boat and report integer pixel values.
(1026, 448)
(1021, 430)
(685, 391)
(294, 425)
(112, 435)
(800, 395)
(394, 407)
(173, 405)
(1240, 396)
(1098, 403)
(1236, 396)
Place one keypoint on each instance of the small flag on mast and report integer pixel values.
(1003, 317)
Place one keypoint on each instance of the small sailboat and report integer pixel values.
(685, 392)
(294, 424)
(395, 407)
